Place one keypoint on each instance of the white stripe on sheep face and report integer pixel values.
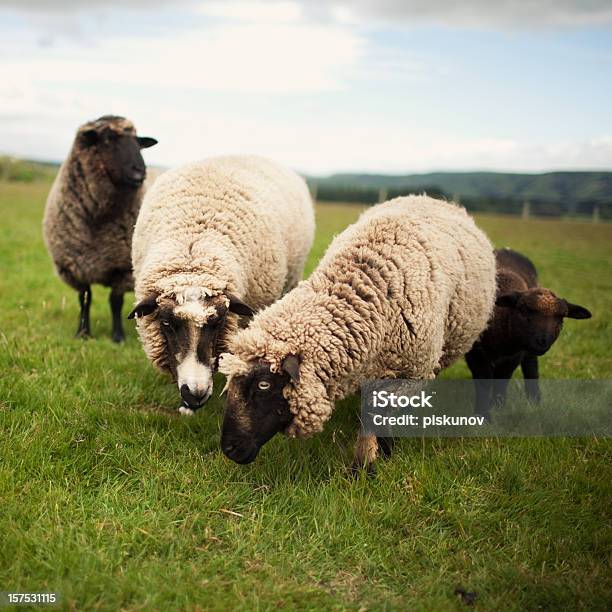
(192, 329)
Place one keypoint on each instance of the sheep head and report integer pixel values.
(111, 147)
(257, 404)
(193, 325)
(535, 317)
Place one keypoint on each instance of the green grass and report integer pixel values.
(112, 500)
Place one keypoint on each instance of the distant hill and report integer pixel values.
(25, 170)
(13, 169)
(549, 194)
(568, 187)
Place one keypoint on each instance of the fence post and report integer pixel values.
(596, 213)
(382, 194)
(526, 209)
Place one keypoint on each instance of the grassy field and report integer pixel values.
(112, 500)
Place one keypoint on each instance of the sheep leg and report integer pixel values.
(482, 373)
(84, 329)
(366, 453)
(502, 373)
(385, 446)
(116, 304)
(529, 367)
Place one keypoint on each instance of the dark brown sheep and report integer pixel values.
(526, 322)
(91, 211)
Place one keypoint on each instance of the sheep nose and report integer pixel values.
(193, 400)
(241, 453)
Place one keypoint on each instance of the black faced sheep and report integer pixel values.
(213, 240)
(526, 322)
(91, 211)
(403, 292)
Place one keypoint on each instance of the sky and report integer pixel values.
(323, 86)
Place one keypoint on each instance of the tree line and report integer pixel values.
(534, 206)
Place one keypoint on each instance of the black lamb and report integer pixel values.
(526, 321)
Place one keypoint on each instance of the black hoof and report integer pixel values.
(83, 334)
(118, 338)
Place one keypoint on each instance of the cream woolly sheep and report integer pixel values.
(403, 292)
(211, 238)
(91, 211)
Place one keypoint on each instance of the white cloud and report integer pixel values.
(268, 59)
(61, 6)
(397, 149)
(272, 51)
(468, 13)
(253, 11)
(316, 145)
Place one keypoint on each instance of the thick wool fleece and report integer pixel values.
(237, 224)
(89, 221)
(403, 292)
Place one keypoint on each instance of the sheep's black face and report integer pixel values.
(256, 410)
(119, 152)
(536, 317)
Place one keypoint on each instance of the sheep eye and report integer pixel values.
(169, 325)
(263, 385)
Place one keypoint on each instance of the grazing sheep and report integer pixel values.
(403, 292)
(211, 238)
(91, 211)
(526, 322)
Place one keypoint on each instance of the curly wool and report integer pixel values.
(88, 221)
(403, 292)
(237, 224)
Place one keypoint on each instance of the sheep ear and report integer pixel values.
(144, 142)
(144, 308)
(89, 137)
(291, 365)
(237, 306)
(508, 300)
(577, 312)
